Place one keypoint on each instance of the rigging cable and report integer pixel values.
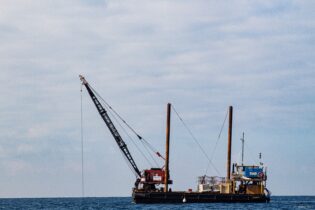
(145, 147)
(154, 150)
(196, 141)
(126, 160)
(82, 153)
(132, 140)
(216, 143)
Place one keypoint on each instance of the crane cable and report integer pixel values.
(195, 139)
(82, 148)
(216, 143)
(154, 150)
(126, 160)
(132, 140)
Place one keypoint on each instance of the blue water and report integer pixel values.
(277, 202)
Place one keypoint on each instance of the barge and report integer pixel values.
(243, 183)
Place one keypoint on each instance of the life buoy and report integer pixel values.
(261, 174)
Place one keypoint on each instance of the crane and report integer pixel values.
(149, 178)
(122, 145)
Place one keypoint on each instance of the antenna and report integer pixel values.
(260, 159)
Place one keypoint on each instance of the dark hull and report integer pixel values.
(195, 197)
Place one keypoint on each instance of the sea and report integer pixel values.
(277, 202)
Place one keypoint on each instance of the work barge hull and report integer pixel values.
(197, 197)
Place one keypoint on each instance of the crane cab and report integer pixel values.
(154, 176)
(151, 178)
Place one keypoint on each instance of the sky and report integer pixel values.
(201, 56)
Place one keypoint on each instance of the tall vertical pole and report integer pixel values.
(82, 148)
(243, 139)
(168, 129)
(228, 175)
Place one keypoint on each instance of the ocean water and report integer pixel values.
(277, 202)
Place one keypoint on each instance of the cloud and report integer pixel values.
(202, 56)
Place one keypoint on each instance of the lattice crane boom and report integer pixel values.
(122, 145)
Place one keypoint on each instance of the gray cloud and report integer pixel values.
(202, 56)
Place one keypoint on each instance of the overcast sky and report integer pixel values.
(201, 56)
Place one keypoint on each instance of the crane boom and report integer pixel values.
(122, 145)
